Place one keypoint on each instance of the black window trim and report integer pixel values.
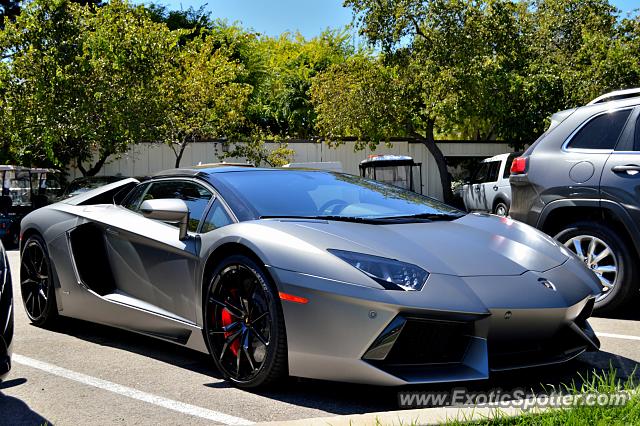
(200, 182)
(567, 142)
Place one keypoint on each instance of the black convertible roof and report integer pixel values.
(204, 171)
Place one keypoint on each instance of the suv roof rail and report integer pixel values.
(616, 96)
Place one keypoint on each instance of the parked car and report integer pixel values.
(488, 188)
(580, 182)
(84, 184)
(309, 273)
(6, 315)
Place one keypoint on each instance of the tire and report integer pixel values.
(244, 325)
(624, 284)
(501, 209)
(36, 283)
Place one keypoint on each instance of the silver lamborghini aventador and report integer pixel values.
(316, 274)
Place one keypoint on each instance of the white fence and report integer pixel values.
(145, 159)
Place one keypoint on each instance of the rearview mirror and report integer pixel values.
(170, 210)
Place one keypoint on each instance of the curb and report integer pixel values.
(422, 416)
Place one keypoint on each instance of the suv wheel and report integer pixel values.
(608, 256)
(501, 209)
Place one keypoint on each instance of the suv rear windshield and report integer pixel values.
(602, 132)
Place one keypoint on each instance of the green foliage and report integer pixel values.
(281, 104)
(499, 68)
(201, 95)
(82, 81)
(360, 98)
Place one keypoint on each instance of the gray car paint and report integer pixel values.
(480, 266)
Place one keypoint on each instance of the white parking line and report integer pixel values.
(618, 336)
(169, 404)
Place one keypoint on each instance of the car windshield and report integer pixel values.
(313, 194)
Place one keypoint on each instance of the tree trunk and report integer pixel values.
(96, 167)
(179, 153)
(430, 143)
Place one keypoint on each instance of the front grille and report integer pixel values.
(425, 341)
(513, 353)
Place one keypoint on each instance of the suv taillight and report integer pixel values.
(519, 165)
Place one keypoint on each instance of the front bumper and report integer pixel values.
(455, 329)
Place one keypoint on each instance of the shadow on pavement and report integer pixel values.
(15, 412)
(630, 312)
(344, 398)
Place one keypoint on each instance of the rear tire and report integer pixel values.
(609, 256)
(501, 209)
(244, 325)
(36, 283)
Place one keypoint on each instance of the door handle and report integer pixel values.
(630, 169)
(495, 187)
(477, 188)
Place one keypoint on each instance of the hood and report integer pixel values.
(474, 245)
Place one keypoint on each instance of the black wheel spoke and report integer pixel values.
(245, 349)
(232, 309)
(228, 342)
(259, 317)
(259, 336)
(238, 363)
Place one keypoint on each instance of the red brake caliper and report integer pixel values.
(228, 319)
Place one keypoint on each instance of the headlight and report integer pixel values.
(389, 273)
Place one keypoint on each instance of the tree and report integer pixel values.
(86, 80)
(203, 98)
(281, 101)
(366, 99)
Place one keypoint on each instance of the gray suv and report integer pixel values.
(580, 183)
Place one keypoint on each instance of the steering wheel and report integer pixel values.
(333, 207)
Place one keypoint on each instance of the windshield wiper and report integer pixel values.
(432, 217)
(369, 220)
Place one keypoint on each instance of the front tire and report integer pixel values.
(36, 283)
(244, 325)
(609, 256)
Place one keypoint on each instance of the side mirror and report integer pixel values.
(170, 210)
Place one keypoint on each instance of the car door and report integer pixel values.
(489, 187)
(620, 180)
(472, 190)
(152, 267)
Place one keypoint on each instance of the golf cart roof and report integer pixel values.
(384, 160)
(6, 167)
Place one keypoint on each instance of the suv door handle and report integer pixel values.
(630, 169)
(495, 187)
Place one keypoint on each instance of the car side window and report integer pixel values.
(602, 132)
(494, 170)
(507, 166)
(133, 200)
(216, 218)
(194, 195)
(481, 173)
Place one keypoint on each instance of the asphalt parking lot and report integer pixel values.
(82, 373)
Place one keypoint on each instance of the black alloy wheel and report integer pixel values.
(36, 285)
(244, 326)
